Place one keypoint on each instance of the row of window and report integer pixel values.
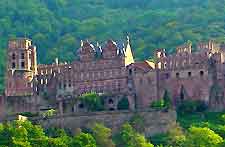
(114, 85)
(22, 56)
(167, 76)
(201, 73)
(21, 63)
(95, 75)
(184, 63)
(101, 89)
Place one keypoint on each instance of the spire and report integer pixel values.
(56, 61)
(128, 40)
(128, 53)
(81, 43)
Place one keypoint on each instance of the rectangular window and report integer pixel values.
(22, 55)
(189, 74)
(22, 65)
(13, 65)
(13, 56)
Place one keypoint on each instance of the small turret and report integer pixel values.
(128, 53)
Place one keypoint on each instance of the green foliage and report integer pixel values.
(190, 106)
(24, 134)
(162, 104)
(83, 140)
(160, 139)
(128, 137)
(167, 100)
(123, 104)
(56, 26)
(20, 133)
(158, 104)
(49, 113)
(202, 137)
(92, 101)
(28, 114)
(176, 136)
(137, 122)
(102, 135)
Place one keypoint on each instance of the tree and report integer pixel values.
(83, 140)
(123, 104)
(102, 135)
(167, 100)
(202, 137)
(92, 101)
(129, 138)
(176, 136)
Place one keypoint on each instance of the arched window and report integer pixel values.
(201, 73)
(13, 65)
(13, 56)
(70, 83)
(22, 55)
(189, 74)
(130, 71)
(110, 101)
(81, 106)
(22, 65)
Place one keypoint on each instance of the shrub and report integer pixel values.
(92, 101)
(167, 100)
(158, 104)
(164, 103)
(190, 106)
(123, 104)
(28, 114)
(137, 122)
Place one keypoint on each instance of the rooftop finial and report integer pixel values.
(128, 39)
(56, 61)
(81, 43)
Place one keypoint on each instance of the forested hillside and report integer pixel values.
(57, 26)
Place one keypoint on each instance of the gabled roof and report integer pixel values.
(144, 65)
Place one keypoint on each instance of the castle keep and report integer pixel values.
(110, 70)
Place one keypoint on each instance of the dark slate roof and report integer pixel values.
(120, 48)
(98, 48)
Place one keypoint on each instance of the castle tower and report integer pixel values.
(21, 67)
(86, 51)
(129, 59)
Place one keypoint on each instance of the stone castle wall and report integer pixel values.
(154, 121)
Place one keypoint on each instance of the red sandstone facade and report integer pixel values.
(198, 75)
(110, 70)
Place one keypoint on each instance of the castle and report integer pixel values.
(110, 70)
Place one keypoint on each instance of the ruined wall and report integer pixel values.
(145, 88)
(193, 84)
(14, 105)
(154, 121)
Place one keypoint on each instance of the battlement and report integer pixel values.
(19, 43)
(186, 48)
